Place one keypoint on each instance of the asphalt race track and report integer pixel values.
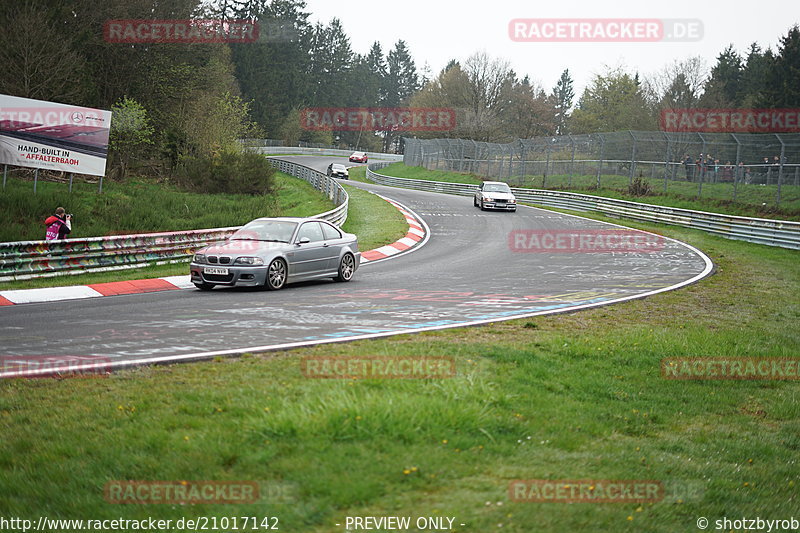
(466, 273)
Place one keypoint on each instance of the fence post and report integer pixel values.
(546, 168)
(780, 170)
(702, 167)
(633, 158)
(70, 182)
(5, 175)
(571, 162)
(738, 160)
(600, 163)
(667, 159)
(35, 179)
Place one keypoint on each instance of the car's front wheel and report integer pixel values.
(276, 275)
(347, 267)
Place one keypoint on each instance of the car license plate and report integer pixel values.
(215, 271)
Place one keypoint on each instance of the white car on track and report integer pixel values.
(495, 195)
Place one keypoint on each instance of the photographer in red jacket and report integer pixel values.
(58, 225)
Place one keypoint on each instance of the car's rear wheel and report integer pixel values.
(204, 286)
(276, 275)
(347, 267)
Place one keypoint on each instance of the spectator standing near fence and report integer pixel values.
(727, 171)
(687, 163)
(698, 165)
(58, 225)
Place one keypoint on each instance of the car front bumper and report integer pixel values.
(501, 206)
(242, 276)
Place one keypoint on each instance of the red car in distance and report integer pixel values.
(358, 157)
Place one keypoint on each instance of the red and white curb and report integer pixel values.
(95, 290)
(416, 236)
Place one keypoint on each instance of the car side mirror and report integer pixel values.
(303, 240)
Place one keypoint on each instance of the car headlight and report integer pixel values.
(487, 199)
(513, 199)
(199, 258)
(254, 261)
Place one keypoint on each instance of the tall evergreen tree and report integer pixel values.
(562, 96)
(401, 82)
(754, 75)
(273, 72)
(723, 88)
(679, 94)
(781, 85)
(331, 61)
(401, 75)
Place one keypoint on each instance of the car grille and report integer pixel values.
(500, 201)
(214, 260)
(217, 277)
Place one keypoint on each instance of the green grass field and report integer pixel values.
(571, 396)
(752, 200)
(145, 206)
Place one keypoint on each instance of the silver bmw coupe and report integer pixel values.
(275, 251)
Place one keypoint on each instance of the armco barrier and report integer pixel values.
(295, 150)
(783, 233)
(32, 259)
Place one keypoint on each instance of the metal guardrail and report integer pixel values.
(34, 259)
(321, 182)
(294, 150)
(782, 233)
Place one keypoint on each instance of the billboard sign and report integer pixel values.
(39, 134)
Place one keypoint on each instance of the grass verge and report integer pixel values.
(145, 207)
(752, 200)
(373, 219)
(573, 396)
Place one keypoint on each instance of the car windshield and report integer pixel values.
(499, 187)
(338, 167)
(266, 230)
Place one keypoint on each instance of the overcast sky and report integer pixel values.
(439, 30)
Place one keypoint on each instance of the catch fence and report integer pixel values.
(745, 168)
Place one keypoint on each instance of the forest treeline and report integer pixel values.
(180, 106)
